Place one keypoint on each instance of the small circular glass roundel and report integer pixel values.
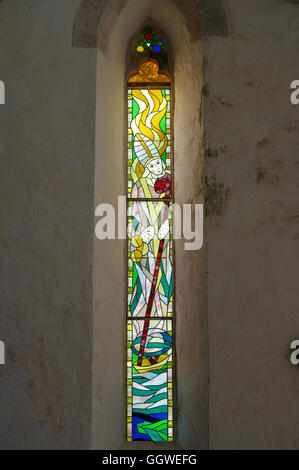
(148, 36)
(149, 43)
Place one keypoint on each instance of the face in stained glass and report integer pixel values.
(149, 144)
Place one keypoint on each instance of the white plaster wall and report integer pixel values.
(253, 246)
(46, 226)
(46, 238)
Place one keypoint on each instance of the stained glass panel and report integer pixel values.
(149, 42)
(149, 234)
(149, 384)
(149, 143)
(150, 264)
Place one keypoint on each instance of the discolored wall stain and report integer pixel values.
(211, 154)
(216, 197)
(47, 206)
(43, 388)
(263, 143)
(270, 172)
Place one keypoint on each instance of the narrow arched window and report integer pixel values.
(150, 246)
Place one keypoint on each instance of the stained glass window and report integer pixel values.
(150, 306)
(150, 42)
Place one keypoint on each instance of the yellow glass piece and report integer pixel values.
(137, 256)
(148, 130)
(141, 249)
(137, 241)
(140, 49)
(149, 72)
(148, 367)
(145, 249)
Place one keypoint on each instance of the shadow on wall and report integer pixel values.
(211, 15)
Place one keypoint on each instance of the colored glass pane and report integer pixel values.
(150, 259)
(149, 42)
(149, 223)
(149, 384)
(149, 143)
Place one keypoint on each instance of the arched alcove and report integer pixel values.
(117, 22)
(95, 20)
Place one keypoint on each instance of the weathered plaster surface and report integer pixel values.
(252, 246)
(46, 238)
(95, 20)
(47, 168)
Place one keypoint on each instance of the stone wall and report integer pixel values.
(47, 147)
(252, 166)
(47, 195)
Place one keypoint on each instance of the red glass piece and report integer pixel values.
(148, 36)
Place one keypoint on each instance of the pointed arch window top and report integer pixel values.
(149, 73)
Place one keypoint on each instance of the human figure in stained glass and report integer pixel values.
(149, 167)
